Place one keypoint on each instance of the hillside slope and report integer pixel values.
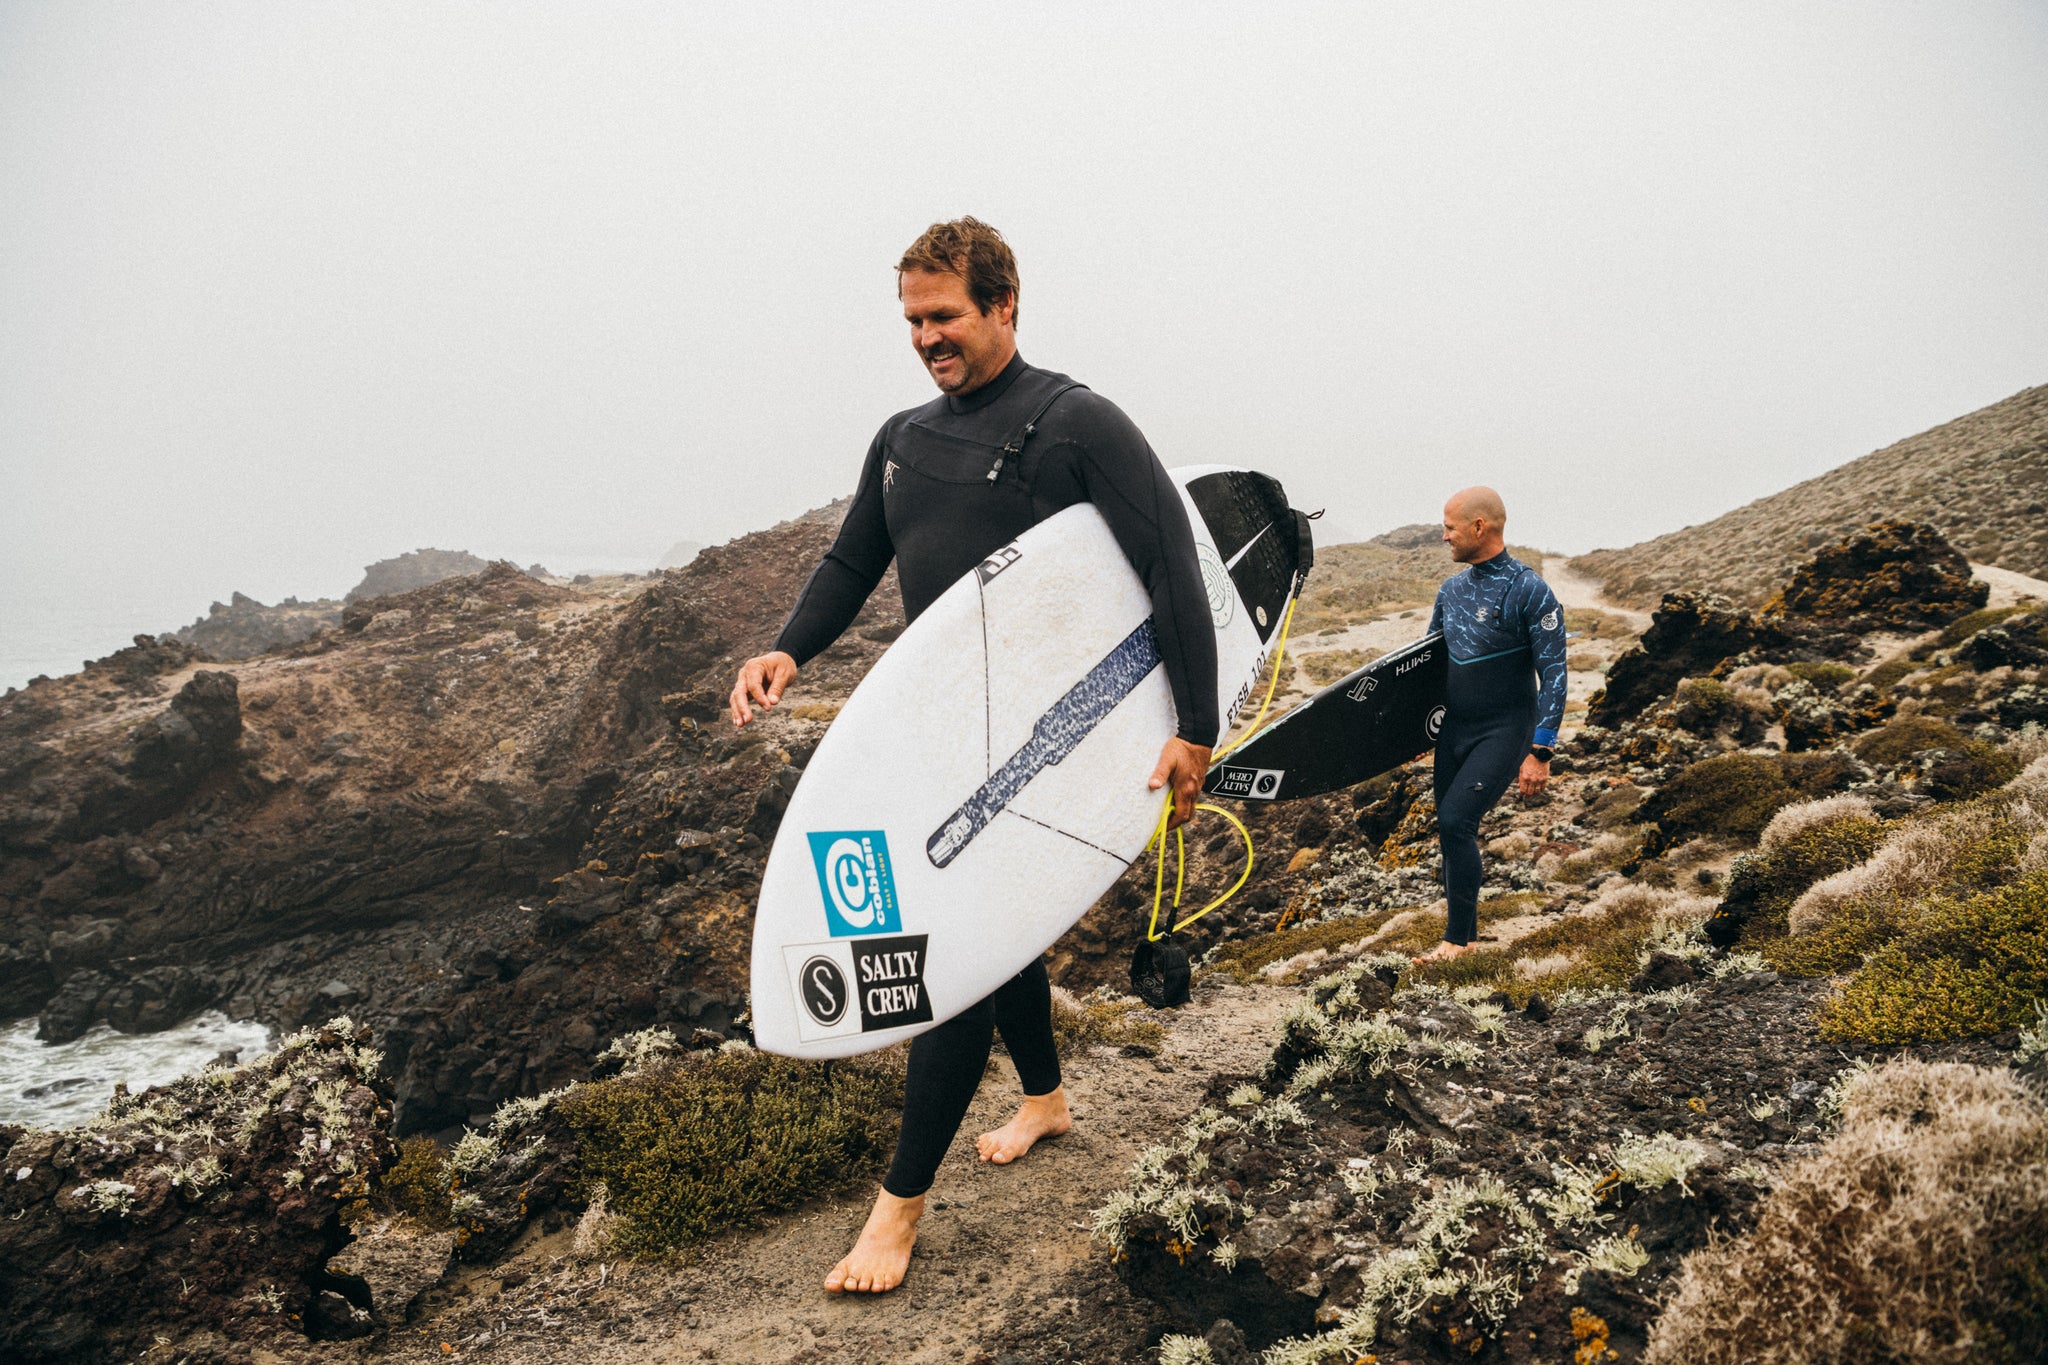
(1981, 479)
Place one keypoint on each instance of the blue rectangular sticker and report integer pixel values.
(854, 876)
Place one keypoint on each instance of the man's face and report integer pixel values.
(1465, 534)
(960, 345)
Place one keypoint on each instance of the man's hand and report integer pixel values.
(761, 681)
(1534, 777)
(1183, 765)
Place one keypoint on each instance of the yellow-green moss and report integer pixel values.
(1604, 948)
(1843, 944)
(1825, 676)
(690, 1147)
(1971, 966)
(1729, 796)
(416, 1184)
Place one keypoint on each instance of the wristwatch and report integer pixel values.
(1540, 752)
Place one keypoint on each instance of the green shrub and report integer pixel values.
(416, 1184)
(1906, 736)
(1763, 885)
(690, 1147)
(1729, 796)
(1891, 672)
(1969, 967)
(1963, 628)
(1825, 676)
(1848, 939)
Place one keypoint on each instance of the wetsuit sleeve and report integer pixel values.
(840, 585)
(1436, 614)
(1544, 620)
(1123, 478)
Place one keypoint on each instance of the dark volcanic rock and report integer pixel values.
(2021, 641)
(1892, 575)
(1689, 635)
(243, 627)
(416, 569)
(1420, 1188)
(210, 1205)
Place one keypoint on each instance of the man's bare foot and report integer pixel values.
(881, 1256)
(1443, 952)
(1040, 1116)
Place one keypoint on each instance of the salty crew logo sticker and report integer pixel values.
(855, 880)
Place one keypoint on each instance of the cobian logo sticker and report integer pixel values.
(855, 879)
(1435, 723)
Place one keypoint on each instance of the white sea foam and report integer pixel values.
(55, 1085)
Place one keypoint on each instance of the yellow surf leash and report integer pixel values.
(1152, 934)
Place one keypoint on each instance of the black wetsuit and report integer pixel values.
(1504, 631)
(943, 487)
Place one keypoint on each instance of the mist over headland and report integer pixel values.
(284, 292)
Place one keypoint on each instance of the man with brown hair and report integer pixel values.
(1003, 447)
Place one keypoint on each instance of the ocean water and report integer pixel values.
(39, 637)
(57, 1085)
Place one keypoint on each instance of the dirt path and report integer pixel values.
(995, 1255)
(2008, 587)
(1575, 589)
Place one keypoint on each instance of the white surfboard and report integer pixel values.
(986, 782)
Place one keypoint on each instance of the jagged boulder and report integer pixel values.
(416, 569)
(211, 1205)
(1689, 635)
(194, 735)
(1892, 575)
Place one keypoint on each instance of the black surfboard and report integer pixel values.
(1358, 727)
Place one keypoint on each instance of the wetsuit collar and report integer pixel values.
(1500, 563)
(989, 392)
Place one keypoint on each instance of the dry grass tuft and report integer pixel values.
(1919, 1232)
(1102, 1020)
(1793, 821)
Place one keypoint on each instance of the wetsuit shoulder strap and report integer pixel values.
(1013, 448)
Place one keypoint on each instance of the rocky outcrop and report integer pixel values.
(243, 627)
(1431, 1179)
(415, 569)
(1892, 575)
(1689, 635)
(207, 1209)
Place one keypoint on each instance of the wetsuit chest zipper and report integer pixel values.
(1014, 446)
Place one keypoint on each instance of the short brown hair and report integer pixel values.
(974, 251)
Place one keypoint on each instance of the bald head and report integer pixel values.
(1475, 524)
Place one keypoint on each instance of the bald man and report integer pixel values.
(1503, 699)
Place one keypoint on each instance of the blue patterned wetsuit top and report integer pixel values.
(1492, 611)
(1504, 630)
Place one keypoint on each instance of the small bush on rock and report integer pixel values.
(1919, 1232)
(1733, 796)
(1906, 736)
(417, 1184)
(686, 1148)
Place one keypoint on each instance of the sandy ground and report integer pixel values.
(993, 1257)
(2008, 587)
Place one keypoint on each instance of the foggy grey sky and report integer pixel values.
(285, 289)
